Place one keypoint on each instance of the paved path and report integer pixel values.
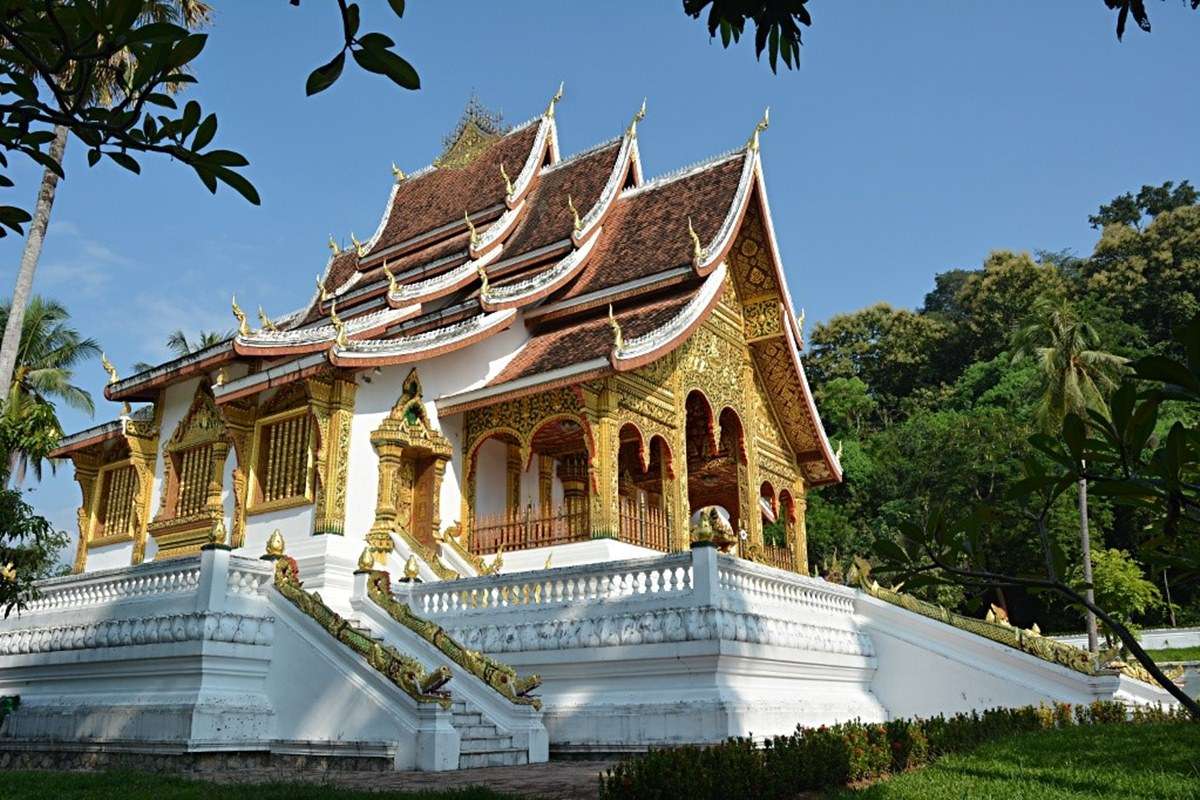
(554, 780)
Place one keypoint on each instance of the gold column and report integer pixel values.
(379, 538)
(600, 406)
(573, 473)
(545, 483)
(239, 425)
(439, 474)
(332, 405)
(512, 489)
(86, 469)
(220, 451)
(799, 531)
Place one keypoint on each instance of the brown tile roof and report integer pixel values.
(647, 233)
(440, 196)
(581, 341)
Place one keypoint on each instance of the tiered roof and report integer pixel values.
(500, 228)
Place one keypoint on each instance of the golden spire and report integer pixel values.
(508, 187)
(631, 131)
(699, 253)
(411, 570)
(275, 544)
(243, 326)
(337, 323)
(759, 128)
(578, 224)
(366, 560)
(484, 289)
(397, 173)
(553, 100)
(471, 228)
(109, 368)
(321, 293)
(333, 246)
(618, 338)
(390, 278)
(265, 320)
(359, 249)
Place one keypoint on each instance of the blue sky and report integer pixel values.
(914, 138)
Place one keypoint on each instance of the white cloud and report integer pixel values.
(87, 266)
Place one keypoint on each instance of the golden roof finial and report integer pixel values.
(411, 570)
(359, 249)
(759, 128)
(631, 131)
(321, 293)
(508, 187)
(333, 246)
(699, 253)
(578, 224)
(243, 326)
(397, 173)
(109, 368)
(366, 560)
(265, 320)
(471, 228)
(800, 325)
(484, 289)
(275, 544)
(337, 323)
(390, 278)
(554, 100)
(618, 337)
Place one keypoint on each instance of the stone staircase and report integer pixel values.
(481, 743)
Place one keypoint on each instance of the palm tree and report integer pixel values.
(106, 90)
(50, 350)
(1076, 377)
(180, 346)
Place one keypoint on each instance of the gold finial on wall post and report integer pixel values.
(758, 129)
(275, 546)
(243, 326)
(412, 571)
(366, 560)
(554, 100)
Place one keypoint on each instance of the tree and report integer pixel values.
(1150, 201)
(1120, 586)
(180, 346)
(1076, 377)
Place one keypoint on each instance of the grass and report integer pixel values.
(1104, 762)
(130, 785)
(1175, 654)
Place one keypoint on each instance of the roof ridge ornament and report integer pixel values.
(243, 326)
(359, 249)
(333, 246)
(397, 173)
(763, 124)
(549, 113)
(631, 131)
(109, 368)
(508, 187)
(471, 228)
(322, 293)
(699, 253)
(337, 323)
(391, 279)
(800, 326)
(484, 289)
(618, 336)
(266, 321)
(578, 223)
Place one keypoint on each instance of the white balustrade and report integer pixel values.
(179, 576)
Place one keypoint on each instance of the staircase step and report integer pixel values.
(463, 720)
(498, 758)
(495, 744)
(484, 731)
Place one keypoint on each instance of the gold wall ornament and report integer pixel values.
(275, 544)
(333, 248)
(412, 570)
(508, 187)
(217, 534)
(243, 325)
(558, 95)
(265, 321)
(577, 224)
(471, 228)
(109, 368)
(699, 253)
(397, 173)
(391, 279)
(631, 131)
(360, 249)
(762, 125)
(366, 560)
(618, 337)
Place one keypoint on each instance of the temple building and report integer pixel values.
(528, 473)
(530, 353)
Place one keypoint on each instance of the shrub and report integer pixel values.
(850, 752)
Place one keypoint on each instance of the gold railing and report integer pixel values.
(116, 513)
(195, 465)
(643, 525)
(528, 529)
(779, 557)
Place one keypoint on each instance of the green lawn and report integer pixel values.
(1175, 654)
(124, 785)
(1135, 762)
